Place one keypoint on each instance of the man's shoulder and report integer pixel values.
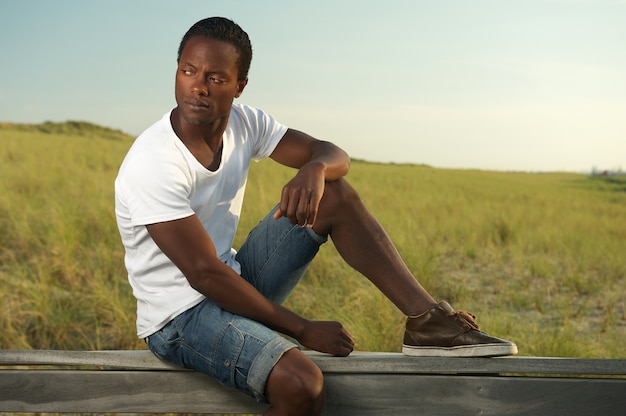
(253, 119)
(246, 112)
(161, 128)
(153, 138)
(154, 146)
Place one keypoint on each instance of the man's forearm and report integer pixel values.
(233, 293)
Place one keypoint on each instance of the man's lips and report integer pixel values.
(195, 104)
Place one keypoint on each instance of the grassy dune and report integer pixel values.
(539, 258)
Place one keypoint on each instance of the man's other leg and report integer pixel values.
(433, 329)
(295, 386)
(365, 245)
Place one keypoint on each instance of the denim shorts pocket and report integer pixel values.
(227, 352)
(165, 342)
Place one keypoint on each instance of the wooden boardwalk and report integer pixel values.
(364, 383)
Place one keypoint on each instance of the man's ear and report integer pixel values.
(240, 87)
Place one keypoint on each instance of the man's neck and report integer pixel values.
(204, 141)
(195, 134)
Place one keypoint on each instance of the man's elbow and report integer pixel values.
(204, 276)
(341, 160)
(347, 162)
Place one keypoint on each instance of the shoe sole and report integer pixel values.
(481, 350)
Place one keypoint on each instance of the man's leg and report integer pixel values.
(295, 386)
(273, 258)
(365, 245)
(276, 254)
(433, 329)
(237, 351)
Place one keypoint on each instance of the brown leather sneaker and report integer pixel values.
(444, 332)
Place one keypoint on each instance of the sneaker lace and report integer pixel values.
(467, 318)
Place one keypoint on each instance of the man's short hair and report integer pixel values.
(226, 30)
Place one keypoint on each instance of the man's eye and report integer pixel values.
(216, 80)
(186, 71)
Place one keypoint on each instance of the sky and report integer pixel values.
(507, 85)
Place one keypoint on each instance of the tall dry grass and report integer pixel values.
(539, 258)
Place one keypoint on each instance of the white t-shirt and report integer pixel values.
(160, 180)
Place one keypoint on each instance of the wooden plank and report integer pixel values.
(396, 363)
(357, 362)
(75, 391)
(139, 359)
(409, 395)
(364, 383)
(79, 391)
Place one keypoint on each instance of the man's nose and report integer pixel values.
(200, 87)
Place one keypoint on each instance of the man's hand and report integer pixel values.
(317, 161)
(327, 336)
(301, 196)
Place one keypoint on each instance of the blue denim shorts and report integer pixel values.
(237, 351)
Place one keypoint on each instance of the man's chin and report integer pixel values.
(196, 120)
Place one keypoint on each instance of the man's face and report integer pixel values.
(206, 80)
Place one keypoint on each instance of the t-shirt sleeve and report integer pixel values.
(266, 131)
(155, 191)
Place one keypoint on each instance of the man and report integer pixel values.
(203, 305)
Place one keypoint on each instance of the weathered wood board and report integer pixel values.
(362, 384)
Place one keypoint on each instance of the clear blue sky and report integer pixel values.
(533, 85)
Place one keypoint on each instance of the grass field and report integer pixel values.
(539, 258)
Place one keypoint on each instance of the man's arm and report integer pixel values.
(188, 245)
(317, 162)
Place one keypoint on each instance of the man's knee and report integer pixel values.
(295, 383)
(339, 193)
(339, 204)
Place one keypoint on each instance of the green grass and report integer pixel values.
(539, 258)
